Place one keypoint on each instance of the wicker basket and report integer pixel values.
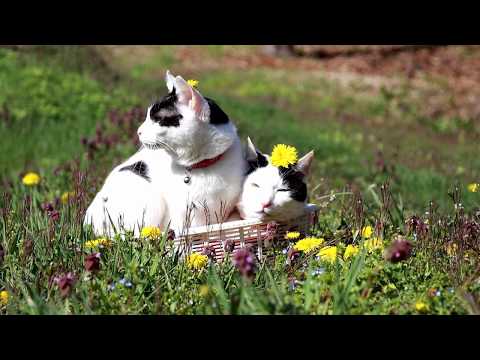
(243, 233)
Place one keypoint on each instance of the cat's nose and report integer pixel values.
(266, 205)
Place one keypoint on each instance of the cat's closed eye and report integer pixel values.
(255, 185)
(282, 189)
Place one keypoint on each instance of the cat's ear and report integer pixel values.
(304, 165)
(170, 81)
(250, 151)
(191, 97)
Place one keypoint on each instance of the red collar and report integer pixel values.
(206, 163)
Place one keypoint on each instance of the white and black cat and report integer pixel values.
(191, 160)
(273, 193)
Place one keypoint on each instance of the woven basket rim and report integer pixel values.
(236, 224)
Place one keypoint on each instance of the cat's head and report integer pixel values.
(186, 123)
(273, 193)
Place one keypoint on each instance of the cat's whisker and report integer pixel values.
(160, 143)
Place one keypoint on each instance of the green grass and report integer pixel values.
(50, 109)
(50, 98)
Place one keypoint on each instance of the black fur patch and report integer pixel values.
(139, 168)
(217, 115)
(259, 163)
(294, 181)
(164, 112)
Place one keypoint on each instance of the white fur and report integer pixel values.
(262, 187)
(135, 202)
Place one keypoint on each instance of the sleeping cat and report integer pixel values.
(273, 193)
(189, 171)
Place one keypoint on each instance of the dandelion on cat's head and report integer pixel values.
(197, 261)
(193, 83)
(31, 179)
(283, 155)
(308, 244)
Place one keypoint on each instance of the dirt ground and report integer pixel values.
(447, 76)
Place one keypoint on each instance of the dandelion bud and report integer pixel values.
(171, 235)
(209, 251)
(229, 246)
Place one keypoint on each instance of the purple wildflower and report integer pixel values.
(292, 255)
(50, 210)
(399, 250)
(65, 283)
(210, 252)
(272, 228)
(244, 260)
(171, 235)
(229, 246)
(417, 226)
(92, 262)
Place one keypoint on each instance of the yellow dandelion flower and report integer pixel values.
(367, 232)
(308, 244)
(351, 250)
(192, 83)
(204, 290)
(373, 244)
(283, 155)
(66, 196)
(473, 187)
(100, 242)
(421, 307)
(451, 249)
(291, 235)
(389, 287)
(4, 297)
(31, 179)
(328, 253)
(197, 261)
(151, 232)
